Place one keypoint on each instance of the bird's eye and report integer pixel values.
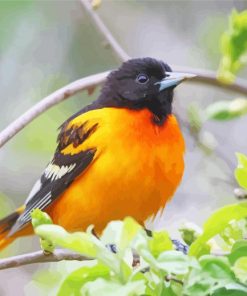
(142, 78)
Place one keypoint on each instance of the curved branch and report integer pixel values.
(210, 78)
(40, 257)
(91, 82)
(48, 102)
(203, 76)
(118, 50)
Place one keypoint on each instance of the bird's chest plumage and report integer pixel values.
(137, 168)
(139, 148)
(146, 159)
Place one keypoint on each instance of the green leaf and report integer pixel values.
(240, 269)
(241, 170)
(217, 267)
(140, 244)
(239, 249)
(227, 110)
(42, 218)
(242, 160)
(121, 233)
(129, 231)
(234, 47)
(81, 242)
(213, 273)
(39, 218)
(230, 292)
(216, 223)
(78, 241)
(235, 231)
(236, 286)
(77, 279)
(47, 246)
(159, 242)
(111, 234)
(189, 232)
(173, 262)
(174, 289)
(110, 288)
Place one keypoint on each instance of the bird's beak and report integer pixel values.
(173, 79)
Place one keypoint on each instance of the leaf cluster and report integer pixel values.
(234, 47)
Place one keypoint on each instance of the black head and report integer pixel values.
(142, 83)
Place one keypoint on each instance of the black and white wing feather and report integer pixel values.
(60, 172)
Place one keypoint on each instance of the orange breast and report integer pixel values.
(138, 167)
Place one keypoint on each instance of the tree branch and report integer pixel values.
(210, 78)
(40, 257)
(203, 76)
(48, 102)
(169, 278)
(90, 82)
(118, 50)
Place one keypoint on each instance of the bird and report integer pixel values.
(122, 155)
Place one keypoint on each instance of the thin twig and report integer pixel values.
(60, 255)
(40, 257)
(118, 50)
(48, 102)
(169, 278)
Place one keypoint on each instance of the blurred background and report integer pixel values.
(46, 44)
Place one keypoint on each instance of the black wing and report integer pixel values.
(60, 172)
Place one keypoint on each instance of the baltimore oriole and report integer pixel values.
(120, 156)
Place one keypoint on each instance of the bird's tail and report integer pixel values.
(5, 226)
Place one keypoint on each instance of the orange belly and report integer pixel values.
(137, 169)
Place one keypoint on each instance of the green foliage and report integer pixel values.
(240, 268)
(229, 222)
(216, 223)
(108, 288)
(189, 232)
(241, 170)
(159, 243)
(41, 218)
(212, 274)
(162, 270)
(226, 110)
(235, 230)
(234, 50)
(238, 250)
(234, 47)
(78, 278)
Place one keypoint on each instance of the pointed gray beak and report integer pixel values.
(173, 79)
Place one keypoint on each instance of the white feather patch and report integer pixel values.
(34, 190)
(55, 172)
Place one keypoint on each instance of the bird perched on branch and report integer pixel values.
(120, 156)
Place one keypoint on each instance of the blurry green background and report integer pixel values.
(47, 44)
